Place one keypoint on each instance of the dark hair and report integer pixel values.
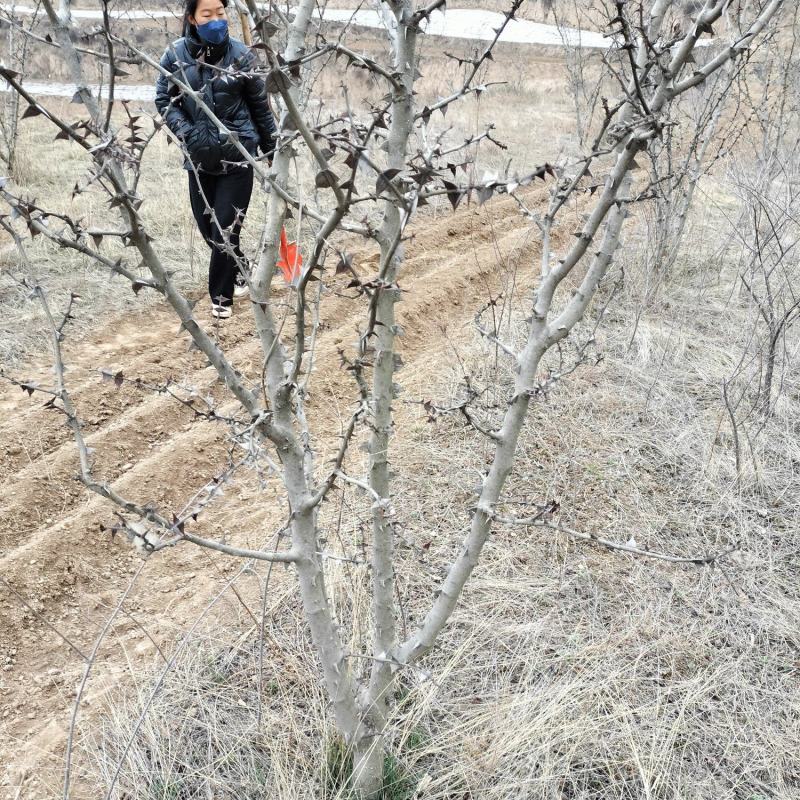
(190, 7)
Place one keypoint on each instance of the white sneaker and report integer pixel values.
(240, 287)
(221, 312)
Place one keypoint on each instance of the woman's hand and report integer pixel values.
(202, 150)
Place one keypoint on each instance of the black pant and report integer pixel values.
(228, 195)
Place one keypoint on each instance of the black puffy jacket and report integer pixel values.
(238, 100)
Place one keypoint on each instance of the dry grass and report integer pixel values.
(48, 171)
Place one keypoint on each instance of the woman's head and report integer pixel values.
(200, 12)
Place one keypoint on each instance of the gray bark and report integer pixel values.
(369, 750)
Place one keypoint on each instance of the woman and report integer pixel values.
(220, 68)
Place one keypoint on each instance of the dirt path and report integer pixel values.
(147, 446)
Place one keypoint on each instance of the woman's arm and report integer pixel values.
(255, 93)
(167, 98)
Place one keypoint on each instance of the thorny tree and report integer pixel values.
(767, 230)
(17, 46)
(655, 60)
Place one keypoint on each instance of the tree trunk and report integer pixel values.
(369, 744)
(368, 757)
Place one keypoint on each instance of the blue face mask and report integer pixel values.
(213, 32)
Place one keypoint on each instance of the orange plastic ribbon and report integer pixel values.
(290, 262)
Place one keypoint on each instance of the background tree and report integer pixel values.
(16, 48)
